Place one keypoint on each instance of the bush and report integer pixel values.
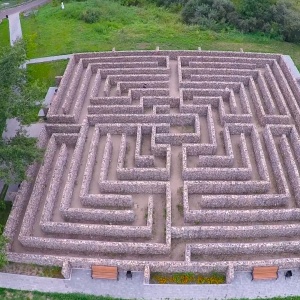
(277, 19)
(132, 2)
(291, 27)
(256, 16)
(169, 3)
(256, 9)
(91, 15)
(212, 14)
(55, 3)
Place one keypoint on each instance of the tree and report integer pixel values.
(212, 14)
(17, 99)
(256, 15)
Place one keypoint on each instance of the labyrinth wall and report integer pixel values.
(168, 161)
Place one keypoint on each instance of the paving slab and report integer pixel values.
(48, 59)
(15, 30)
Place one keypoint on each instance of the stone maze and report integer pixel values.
(166, 161)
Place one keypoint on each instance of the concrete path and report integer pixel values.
(13, 125)
(292, 67)
(81, 282)
(21, 8)
(48, 59)
(15, 30)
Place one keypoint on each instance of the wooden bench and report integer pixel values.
(262, 273)
(105, 272)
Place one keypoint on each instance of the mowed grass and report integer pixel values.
(9, 294)
(46, 72)
(55, 31)
(4, 33)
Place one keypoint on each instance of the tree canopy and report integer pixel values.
(17, 99)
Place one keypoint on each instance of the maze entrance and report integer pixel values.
(173, 159)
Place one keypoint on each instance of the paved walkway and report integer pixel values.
(15, 30)
(292, 67)
(81, 282)
(48, 59)
(13, 125)
(21, 8)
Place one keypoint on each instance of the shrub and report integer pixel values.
(131, 2)
(169, 3)
(256, 9)
(212, 14)
(73, 12)
(91, 15)
(55, 3)
(291, 27)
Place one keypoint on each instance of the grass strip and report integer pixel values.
(10, 294)
(4, 33)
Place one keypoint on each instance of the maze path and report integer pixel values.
(177, 160)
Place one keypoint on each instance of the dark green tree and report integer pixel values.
(17, 99)
(256, 15)
(212, 14)
(256, 9)
(3, 242)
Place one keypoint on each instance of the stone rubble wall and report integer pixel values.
(39, 189)
(55, 183)
(70, 94)
(218, 88)
(54, 107)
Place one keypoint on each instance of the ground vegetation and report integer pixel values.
(17, 100)
(4, 33)
(53, 31)
(278, 19)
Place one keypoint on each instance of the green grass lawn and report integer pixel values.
(54, 31)
(45, 74)
(9, 294)
(4, 33)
